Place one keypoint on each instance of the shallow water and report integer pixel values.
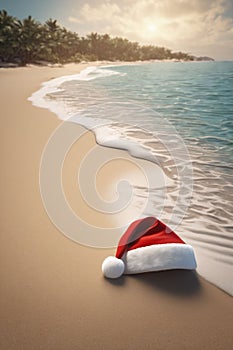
(179, 116)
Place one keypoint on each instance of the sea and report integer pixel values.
(179, 116)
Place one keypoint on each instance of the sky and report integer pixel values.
(199, 27)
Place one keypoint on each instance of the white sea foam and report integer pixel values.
(38, 98)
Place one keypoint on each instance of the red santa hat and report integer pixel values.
(149, 245)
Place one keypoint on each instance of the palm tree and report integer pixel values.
(61, 44)
(29, 39)
(52, 25)
(8, 41)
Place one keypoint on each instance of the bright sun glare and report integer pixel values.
(151, 27)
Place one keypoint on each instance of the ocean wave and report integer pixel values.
(54, 86)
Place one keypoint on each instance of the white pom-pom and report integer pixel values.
(113, 267)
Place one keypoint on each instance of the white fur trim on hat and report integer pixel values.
(113, 267)
(159, 257)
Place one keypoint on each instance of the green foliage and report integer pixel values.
(30, 41)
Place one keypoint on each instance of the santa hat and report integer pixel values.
(149, 245)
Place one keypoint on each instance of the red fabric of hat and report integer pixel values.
(146, 232)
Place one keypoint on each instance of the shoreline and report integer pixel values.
(53, 292)
(9, 65)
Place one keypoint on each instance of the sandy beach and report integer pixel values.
(53, 294)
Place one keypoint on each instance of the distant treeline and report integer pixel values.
(29, 41)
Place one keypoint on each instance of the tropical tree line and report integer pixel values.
(29, 41)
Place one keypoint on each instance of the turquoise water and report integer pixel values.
(196, 98)
(179, 116)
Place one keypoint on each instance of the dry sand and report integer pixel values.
(52, 293)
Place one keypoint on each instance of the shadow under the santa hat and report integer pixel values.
(180, 283)
(121, 281)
